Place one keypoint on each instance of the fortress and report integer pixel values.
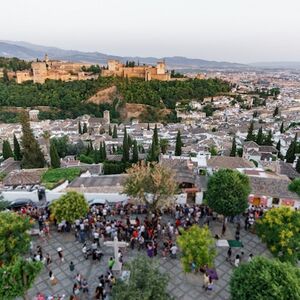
(116, 68)
(55, 70)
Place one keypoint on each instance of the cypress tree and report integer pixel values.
(268, 140)
(290, 154)
(260, 137)
(109, 130)
(135, 152)
(178, 144)
(233, 148)
(276, 111)
(250, 135)
(85, 129)
(148, 127)
(298, 165)
(6, 150)
(79, 128)
(155, 149)
(32, 154)
(278, 146)
(17, 149)
(125, 157)
(282, 128)
(155, 136)
(54, 158)
(103, 154)
(115, 132)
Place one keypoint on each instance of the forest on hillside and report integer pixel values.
(14, 64)
(68, 99)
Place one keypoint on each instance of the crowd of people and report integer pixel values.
(153, 233)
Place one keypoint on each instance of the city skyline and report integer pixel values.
(231, 31)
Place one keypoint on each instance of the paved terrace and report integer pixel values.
(178, 286)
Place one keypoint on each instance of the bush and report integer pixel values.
(86, 159)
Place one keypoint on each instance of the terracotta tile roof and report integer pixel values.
(227, 162)
(24, 177)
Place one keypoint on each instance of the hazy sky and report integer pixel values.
(231, 30)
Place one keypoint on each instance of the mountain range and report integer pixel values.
(29, 51)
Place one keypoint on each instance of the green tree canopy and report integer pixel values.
(178, 144)
(32, 154)
(135, 152)
(125, 157)
(54, 158)
(227, 192)
(146, 282)
(70, 207)
(264, 279)
(164, 143)
(260, 136)
(6, 150)
(290, 154)
(279, 229)
(14, 239)
(17, 277)
(115, 132)
(197, 246)
(250, 134)
(17, 149)
(151, 184)
(233, 147)
(294, 186)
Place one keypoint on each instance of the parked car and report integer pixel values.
(97, 201)
(18, 203)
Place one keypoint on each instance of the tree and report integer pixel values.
(294, 186)
(6, 150)
(151, 184)
(213, 151)
(135, 152)
(250, 134)
(148, 127)
(109, 130)
(32, 154)
(265, 279)
(17, 277)
(197, 246)
(5, 76)
(85, 129)
(163, 145)
(298, 165)
(279, 229)
(54, 158)
(268, 139)
(17, 149)
(79, 128)
(290, 154)
(115, 132)
(103, 151)
(260, 136)
(125, 157)
(178, 144)
(146, 282)
(233, 148)
(70, 207)
(227, 192)
(278, 146)
(14, 239)
(154, 149)
(282, 128)
(276, 111)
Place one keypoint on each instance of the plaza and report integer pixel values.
(181, 285)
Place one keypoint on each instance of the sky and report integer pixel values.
(222, 30)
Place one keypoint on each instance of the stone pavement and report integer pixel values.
(180, 286)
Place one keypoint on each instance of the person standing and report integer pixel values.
(71, 267)
(85, 286)
(111, 263)
(229, 253)
(60, 254)
(237, 261)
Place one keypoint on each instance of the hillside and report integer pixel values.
(30, 51)
(75, 98)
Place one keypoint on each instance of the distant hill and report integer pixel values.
(278, 65)
(30, 51)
